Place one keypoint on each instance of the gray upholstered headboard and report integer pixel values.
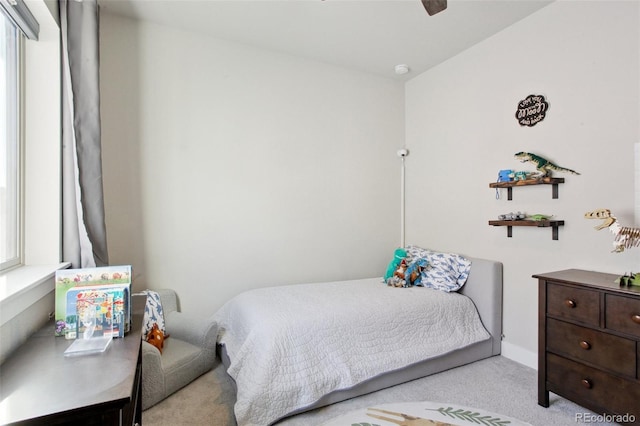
(484, 287)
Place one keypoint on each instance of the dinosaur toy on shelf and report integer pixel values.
(543, 166)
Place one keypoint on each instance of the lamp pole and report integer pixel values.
(402, 153)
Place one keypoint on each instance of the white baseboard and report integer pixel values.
(519, 354)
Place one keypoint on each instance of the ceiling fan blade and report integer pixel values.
(434, 6)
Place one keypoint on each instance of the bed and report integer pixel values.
(327, 342)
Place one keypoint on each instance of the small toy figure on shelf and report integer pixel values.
(505, 175)
(509, 175)
(630, 279)
(512, 216)
(521, 175)
(539, 217)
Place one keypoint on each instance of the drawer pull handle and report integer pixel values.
(570, 303)
(585, 345)
(635, 318)
(586, 383)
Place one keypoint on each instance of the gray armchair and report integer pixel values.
(189, 352)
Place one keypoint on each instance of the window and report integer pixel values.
(10, 228)
(23, 287)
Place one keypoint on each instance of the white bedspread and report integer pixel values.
(290, 345)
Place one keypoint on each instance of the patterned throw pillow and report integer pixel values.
(445, 271)
(152, 314)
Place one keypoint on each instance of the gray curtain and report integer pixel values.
(84, 230)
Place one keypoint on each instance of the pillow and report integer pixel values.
(445, 271)
(416, 252)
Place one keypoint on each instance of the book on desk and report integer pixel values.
(71, 285)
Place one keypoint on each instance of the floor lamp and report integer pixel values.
(637, 189)
(402, 153)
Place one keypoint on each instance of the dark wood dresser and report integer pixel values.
(589, 342)
(40, 386)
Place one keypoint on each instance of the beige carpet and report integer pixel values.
(207, 401)
(495, 384)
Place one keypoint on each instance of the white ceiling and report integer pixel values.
(366, 35)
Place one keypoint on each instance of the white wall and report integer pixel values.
(461, 129)
(228, 167)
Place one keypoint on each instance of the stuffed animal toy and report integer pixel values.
(398, 277)
(398, 256)
(414, 271)
(156, 337)
(408, 274)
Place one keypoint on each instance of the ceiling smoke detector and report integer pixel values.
(402, 69)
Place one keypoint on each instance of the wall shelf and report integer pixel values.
(544, 181)
(553, 224)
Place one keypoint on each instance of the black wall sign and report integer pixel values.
(531, 110)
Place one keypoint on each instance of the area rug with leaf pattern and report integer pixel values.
(422, 414)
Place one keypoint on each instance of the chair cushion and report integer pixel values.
(182, 362)
(177, 353)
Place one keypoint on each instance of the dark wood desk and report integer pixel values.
(39, 385)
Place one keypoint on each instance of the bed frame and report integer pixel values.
(484, 287)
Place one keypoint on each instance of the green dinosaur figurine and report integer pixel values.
(540, 217)
(544, 167)
(631, 279)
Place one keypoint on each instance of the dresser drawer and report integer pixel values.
(623, 314)
(605, 351)
(592, 387)
(572, 303)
